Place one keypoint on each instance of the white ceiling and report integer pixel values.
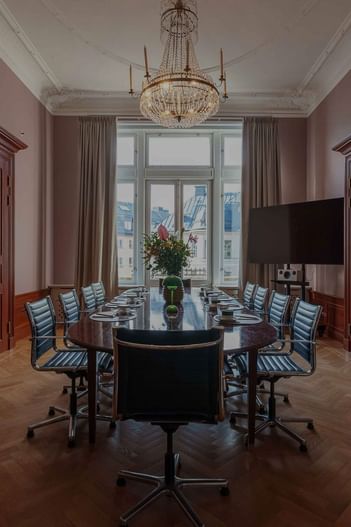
(281, 56)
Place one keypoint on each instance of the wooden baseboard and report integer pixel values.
(21, 324)
(333, 313)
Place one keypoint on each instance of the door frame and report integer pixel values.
(178, 182)
(9, 146)
(344, 148)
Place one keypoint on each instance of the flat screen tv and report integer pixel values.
(311, 232)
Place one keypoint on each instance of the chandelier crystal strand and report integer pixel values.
(180, 95)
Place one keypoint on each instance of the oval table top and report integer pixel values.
(92, 334)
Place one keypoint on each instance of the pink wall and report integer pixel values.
(329, 124)
(66, 192)
(26, 118)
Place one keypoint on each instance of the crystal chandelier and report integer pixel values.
(180, 95)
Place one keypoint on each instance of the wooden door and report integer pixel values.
(9, 145)
(345, 148)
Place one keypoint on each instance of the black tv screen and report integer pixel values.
(311, 232)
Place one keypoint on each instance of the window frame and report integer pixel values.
(177, 134)
(216, 175)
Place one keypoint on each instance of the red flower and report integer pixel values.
(162, 232)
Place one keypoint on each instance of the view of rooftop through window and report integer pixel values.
(181, 205)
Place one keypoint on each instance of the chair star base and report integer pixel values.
(170, 488)
(169, 484)
(271, 419)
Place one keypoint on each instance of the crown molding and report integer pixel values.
(326, 53)
(28, 44)
(83, 102)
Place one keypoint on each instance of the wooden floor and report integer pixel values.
(43, 483)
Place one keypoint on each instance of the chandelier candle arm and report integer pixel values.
(131, 91)
(225, 93)
(221, 78)
(147, 74)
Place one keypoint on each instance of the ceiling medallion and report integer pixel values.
(180, 95)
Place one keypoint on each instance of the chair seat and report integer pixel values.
(270, 363)
(74, 359)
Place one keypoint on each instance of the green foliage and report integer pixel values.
(165, 256)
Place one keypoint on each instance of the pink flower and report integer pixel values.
(162, 232)
(192, 238)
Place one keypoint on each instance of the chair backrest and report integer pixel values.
(169, 376)
(304, 323)
(260, 299)
(248, 294)
(42, 320)
(88, 298)
(277, 312)
(70, 307)
(99, 292)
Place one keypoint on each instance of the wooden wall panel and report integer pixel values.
(22, 329)
(333, 315)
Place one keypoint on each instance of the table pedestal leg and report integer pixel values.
(92, 394)
(252, 380)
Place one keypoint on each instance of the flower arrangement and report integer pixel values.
(165, 253)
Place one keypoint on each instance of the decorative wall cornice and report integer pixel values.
(78, 102)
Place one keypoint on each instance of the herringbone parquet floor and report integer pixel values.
(43, 483)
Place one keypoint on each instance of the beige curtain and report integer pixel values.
(260, 187)
(97, 247)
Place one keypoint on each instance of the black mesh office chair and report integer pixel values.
(89, 300)
(99, 292)
(260, 299)
(169, 378)
(299, 361)
(276, 314)
(72, 362)
(248, 294)
(71, 312)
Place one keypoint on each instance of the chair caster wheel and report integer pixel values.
(30, 433)
(64, 390)
(71, 443)
(286, 399)
(121, 482)
(224, 491)
(310, 426)
(113, 425)
(303, 448)
(51, 411)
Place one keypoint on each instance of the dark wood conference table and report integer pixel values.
(97, 336)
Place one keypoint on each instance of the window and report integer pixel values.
(125, 150)
(125, 231)
(188, 181)
(231, 231)
(227, 249)
(179, 150)
(232, 151)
